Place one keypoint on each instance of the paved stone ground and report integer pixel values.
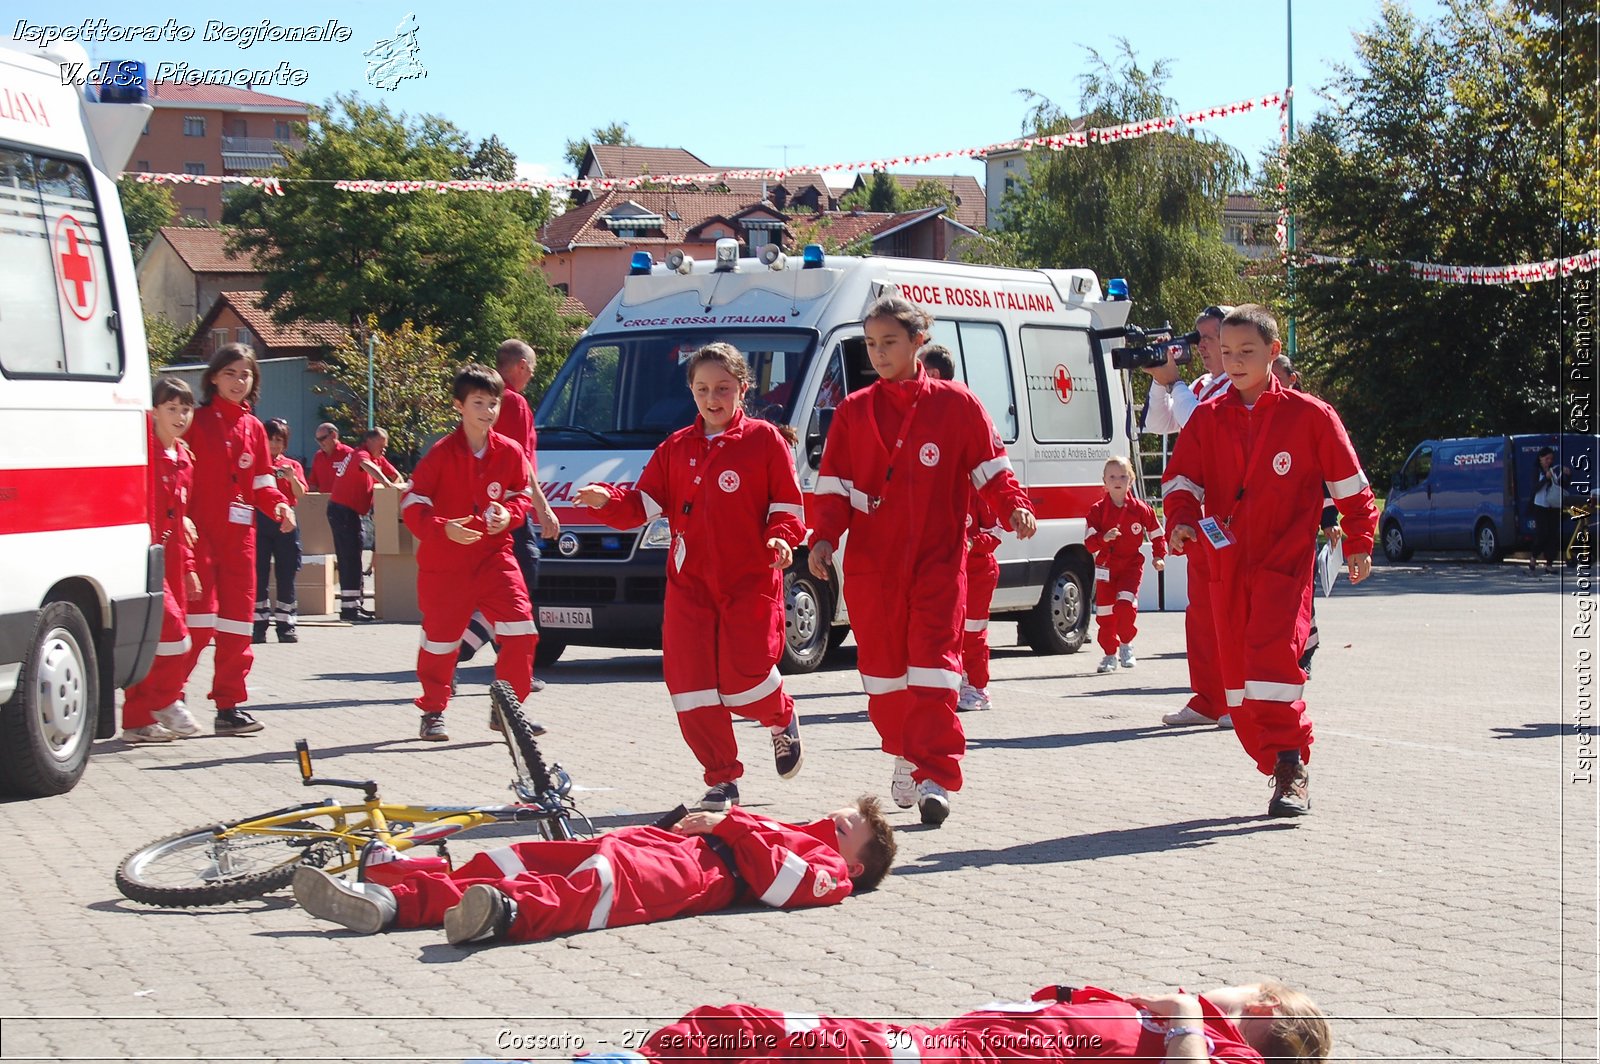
(1440, 901)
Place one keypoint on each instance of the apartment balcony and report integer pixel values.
(250, 154)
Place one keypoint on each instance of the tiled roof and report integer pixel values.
(225, 97)
(204, 250)
(583, 226)
(628, 160)
(295, 334)
(969, 194)
(843, 227)
(1245, 203)
(573, 308)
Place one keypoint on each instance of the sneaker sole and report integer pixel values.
(243, 729)
(933, 811)
(714, 807)
(793, 772)
(146, 740)
(434, 738)
(1286, 812)
(473, 917)
(324, 897)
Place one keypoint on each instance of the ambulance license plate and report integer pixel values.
(566, 617)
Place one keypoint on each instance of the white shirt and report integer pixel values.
(1172, 405)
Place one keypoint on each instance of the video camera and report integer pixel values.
(1143, 348)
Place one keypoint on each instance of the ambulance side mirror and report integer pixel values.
(817, 435)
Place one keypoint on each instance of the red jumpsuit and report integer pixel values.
(722, 628)
(454, 579)
(983, 576)
(1260, 472)
(232, 479)
(1093, 1024)
(905, 567)
(172, 474)
(1119, 565)
(1199, 627)
(633, 875)
(325, 470)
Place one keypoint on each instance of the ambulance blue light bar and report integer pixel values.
(641, 263)
(811, 257)
(1117, 289)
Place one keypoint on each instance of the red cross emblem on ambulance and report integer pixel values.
(1063, 384)
(75, 268)
(728, 481)
(929, 455)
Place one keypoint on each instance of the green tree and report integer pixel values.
(1562, 40)
(165, 340)
(615, 133)
(1431, 154)
(928, 193)
(1148, 209)
(147, 207)
(880, 193)
(464, 263)
(414, 370)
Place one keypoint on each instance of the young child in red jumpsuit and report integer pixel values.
(1245, 485)
(727, 486)
(900, 459)
(233, 479)
(279, 550)
(1247, 1024)
(468, 492)
(635, 875)
(1118, 525)
(153, 709)
(350, 501)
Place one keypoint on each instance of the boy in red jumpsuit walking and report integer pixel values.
(1118, 525)
(153, 709)
(727, 485)
(467, 493)
(1230, 1025)
(1245, 485)
(900, 459)
(233, 479)
(636, 875)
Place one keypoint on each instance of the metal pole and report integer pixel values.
(1288, 181)
(372, 349)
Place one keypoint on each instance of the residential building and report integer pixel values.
(238, 317)
(1003, 172)
(186, 268)
(970, 204)
(1249, 226)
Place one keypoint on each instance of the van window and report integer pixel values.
(978, 349)
(1417, 469)
(1067, 400)
(55, 285)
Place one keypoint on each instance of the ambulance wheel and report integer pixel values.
(807, 622)
(1059, 624)
(548, 652)
(47, 727)
(1395, 547)
(1486, 541)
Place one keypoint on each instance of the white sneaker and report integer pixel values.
(177, 719)
(933, 802)
(1125, 656)
(902, 789)
(1225, 721)
(150, 733)
(1185, 716)
(1107, 664)
(983, 698)
(971, 698)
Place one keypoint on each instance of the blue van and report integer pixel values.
(1477, 493)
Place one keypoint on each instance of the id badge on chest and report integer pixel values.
(1216, 533)
(241, 514)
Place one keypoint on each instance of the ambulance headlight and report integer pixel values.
(678, 262)
(811, 258)
(1117, 289)
(657, 535)
(727, 255)
(641, 263)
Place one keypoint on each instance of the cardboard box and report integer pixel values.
(317, 586)
(394, 579)
(389, 533)
(312, 514)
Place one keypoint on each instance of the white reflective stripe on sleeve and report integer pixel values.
(756, 693)
(515, 628)
(789, 877)
(834, 486)
(1235, 697)
(172, 650)
(1343, 489)
(439, 646)
(688, 700)
(608, 888)
(201, 620)
(228, 627)
(413, 499)
(1125, 596)
(1102, 574)
(923, 677)
(506, 859)
(793, 509)
(977, 625)
(883, 685)
(1184, 484)
(261, 482)
(987, 471)
(1103, 611)
(1267, 691)
(1090, 531)
(652, 509)
(800, 1022)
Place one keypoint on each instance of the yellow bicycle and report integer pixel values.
(253, 856)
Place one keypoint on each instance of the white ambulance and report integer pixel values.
(80, 583)
(1021, 340)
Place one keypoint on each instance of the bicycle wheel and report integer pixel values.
(197, 868)
(518, 734)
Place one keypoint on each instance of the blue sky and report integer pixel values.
(736, 82)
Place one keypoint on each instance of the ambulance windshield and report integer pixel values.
(630, 390)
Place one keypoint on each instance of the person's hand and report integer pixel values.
(456, 531)
(549, 525)
(820, 560)
(1161, 563)
(593, 496)
(1360, 566)
(191, 534)
(1169, 1006)
(286, 521)
(496, 519)
(1110, 534)
(193, 583)
(1178, 536)
(1024, 523)
(782, 553)
(1334, 534)
(701, 823)
(1167, 373)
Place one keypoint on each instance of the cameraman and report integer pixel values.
(1167, 410)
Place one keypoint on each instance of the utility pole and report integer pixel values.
(1288, 184)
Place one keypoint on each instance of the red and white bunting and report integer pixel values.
(1444, 273)
(272, 186)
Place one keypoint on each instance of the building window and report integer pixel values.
(194, 125)
(197, 213)
(219, 340)
(235, 127)
(243, 336)
(198, 169)
(1011, 183)
(144, 165)
(280, 131)
(562, 288)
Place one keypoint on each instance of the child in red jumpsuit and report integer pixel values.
(279, 550)
(350, 501)
(468, 492)
(728, 487)
(900, 459)
(233, 479)
(153, 709)
(1245, 485)
(635, 875)
(1230, 1025)
(1118, 524)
